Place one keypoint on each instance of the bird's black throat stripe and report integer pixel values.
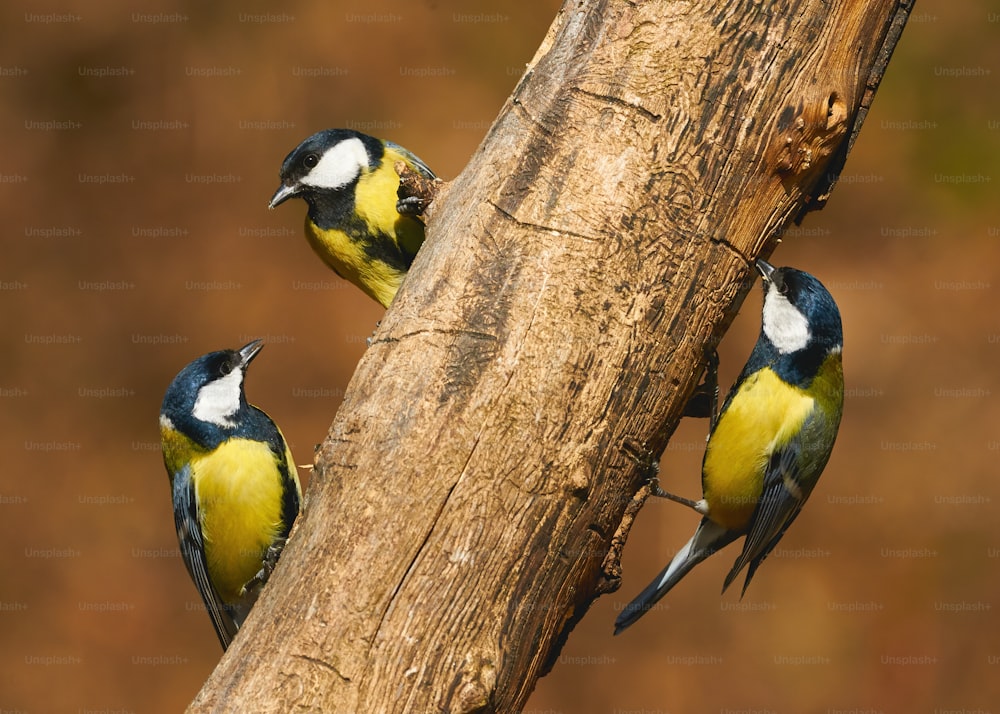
(330, 210)
(334, 211)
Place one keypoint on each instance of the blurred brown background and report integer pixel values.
(140, 150)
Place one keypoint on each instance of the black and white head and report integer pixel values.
(206, 398)
(799, 313)
(328, 161)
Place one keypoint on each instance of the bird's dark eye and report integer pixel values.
(310, 161)
(228, 364)
(779, 282)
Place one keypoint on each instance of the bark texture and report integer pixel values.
(472, 495)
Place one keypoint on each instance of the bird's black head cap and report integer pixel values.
(801, 323)
(329, 160)
(206, 398)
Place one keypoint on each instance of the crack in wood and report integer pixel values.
(475, 334)
(406, 574)
(732, 248)
(633, 105)
(523, 111)
(322, 664)
(539, 227)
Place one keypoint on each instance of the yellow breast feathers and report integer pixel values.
(349, 260)
(764, 415)
(243, 475)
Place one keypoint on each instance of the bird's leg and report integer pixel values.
(369, 340)
(644, 458)
(700, 505)
(411, 206)
(648, 462)
(712, 378)
(704, 402)
(415, 192)
(268, 566)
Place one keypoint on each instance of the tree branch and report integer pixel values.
(472, 495)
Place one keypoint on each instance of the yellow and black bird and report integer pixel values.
(769, 444)
(355, 222)
(235, 489)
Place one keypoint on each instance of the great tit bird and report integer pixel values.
(354, 222)
(769, 444)
(235, 489)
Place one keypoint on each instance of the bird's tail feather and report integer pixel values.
(709, 538)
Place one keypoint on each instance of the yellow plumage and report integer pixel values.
(379, 280)
(242, 475)
(177, 448)
(765, 414)
(375, 197)
(356, 258)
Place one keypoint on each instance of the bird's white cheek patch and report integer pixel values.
(219, 400)
(340, 165)
(784, 324)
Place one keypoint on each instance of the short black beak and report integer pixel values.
(765, 269)
(283, 194)
(248, 352)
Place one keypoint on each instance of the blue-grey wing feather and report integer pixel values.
(193, 552)
(418, 164)
(779, 504)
